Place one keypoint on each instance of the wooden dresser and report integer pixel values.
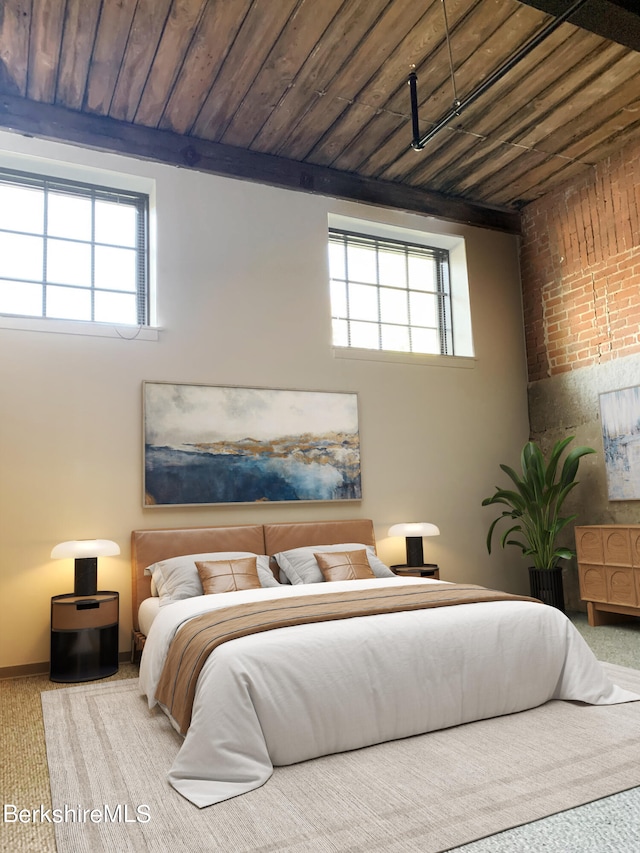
(609, 570)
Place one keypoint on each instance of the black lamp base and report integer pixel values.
(415, 556)
(86, 576)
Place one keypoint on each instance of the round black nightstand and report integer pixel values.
(84, 636)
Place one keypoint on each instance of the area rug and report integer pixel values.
(108, 756)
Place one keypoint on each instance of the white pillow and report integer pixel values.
(300, 566)
(178, 577)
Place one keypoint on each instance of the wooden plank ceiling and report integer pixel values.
(313, 94)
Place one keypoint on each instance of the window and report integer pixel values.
(389, 295)
(72, 251)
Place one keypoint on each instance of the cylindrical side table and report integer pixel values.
(84, 636)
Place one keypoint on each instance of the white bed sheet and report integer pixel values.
(295, 693)
(147, 612)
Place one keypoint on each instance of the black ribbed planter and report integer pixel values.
(546, 584)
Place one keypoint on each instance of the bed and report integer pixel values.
(297, 689)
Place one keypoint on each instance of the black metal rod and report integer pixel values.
(413, 90)
(419, 143)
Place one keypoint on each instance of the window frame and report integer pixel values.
(440, 256)
(139, 200)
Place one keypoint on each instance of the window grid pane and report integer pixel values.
(389, 295)
(78, 275)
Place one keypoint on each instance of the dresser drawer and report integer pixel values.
(616, 546)
(593, 582)
(621, 588)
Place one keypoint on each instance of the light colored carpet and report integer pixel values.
(426, 794)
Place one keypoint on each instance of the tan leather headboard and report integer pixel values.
(151, 546)
(281, 537)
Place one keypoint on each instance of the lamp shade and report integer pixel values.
(415, 528)
(79, 548)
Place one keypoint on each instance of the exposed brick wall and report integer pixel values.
(580, 260)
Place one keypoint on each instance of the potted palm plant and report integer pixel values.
(534, 505)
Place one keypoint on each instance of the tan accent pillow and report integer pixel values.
(344, 565)
(228, 575)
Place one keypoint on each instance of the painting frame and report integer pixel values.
(620, 421)
(214, 445)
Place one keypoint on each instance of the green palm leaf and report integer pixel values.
(536, 502)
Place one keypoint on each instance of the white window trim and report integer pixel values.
(79, 327)
(418, 358)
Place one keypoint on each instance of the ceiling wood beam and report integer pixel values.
(52, 122)
(616, 20)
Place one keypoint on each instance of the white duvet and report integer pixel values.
(295, 693)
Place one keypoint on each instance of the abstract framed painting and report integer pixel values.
(217, 444)
(620, 417)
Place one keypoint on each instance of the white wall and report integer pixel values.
(242, 299)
